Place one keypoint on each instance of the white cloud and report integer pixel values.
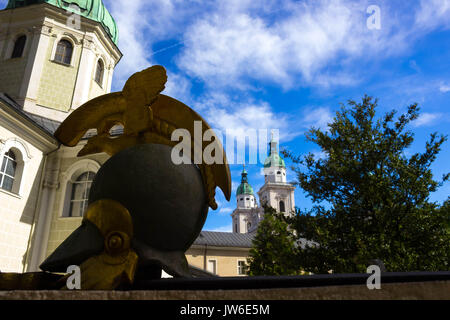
(312, 44)
(234, 186)
(327, 80)
(178, 87)
(223, 49)
(225, 211)
(444, 88)
(319, 154)
(433, 14)
(244, 119)
(305, 43)
(132, 22)
(141, 24)
(230, 43)
(237, 117)
(317, 117)
(413, 65)
(426, 119)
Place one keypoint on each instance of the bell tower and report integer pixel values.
(276, 191)
(244, 215)
(56, 55)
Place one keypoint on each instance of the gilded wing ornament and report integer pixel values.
(147, 117)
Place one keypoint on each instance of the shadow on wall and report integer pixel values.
(31, 207)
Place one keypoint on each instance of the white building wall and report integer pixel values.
(44, 29)
(31, 222)
(246, 201)
(18, 208)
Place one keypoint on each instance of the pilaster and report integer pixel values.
(85, 73)
(33, 72)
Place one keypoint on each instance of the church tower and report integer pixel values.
(56, 55)
(243, 215)
(276, 192)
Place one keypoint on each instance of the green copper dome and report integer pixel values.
(274, 159)
(91, 9)
(244, 187)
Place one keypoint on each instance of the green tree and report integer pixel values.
(378, 198)
(273, 251)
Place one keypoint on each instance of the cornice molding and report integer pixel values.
(25, 128)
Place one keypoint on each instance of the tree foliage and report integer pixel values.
(376, 198)
(273, 247)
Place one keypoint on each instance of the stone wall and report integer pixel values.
(439, 290)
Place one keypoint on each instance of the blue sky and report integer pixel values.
(288, 64)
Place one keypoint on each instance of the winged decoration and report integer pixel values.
(147, 116)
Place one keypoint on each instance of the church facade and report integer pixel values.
(276, 193)
(54, 57)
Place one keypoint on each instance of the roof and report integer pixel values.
(91, 9)
(45, 125)
(48, 124)
(274, 159)
(225, 239)
(237, 240)
(244, 187)
(8, 100)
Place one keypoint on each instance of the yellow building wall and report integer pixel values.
(96, 90)
(12, 71)
(226, 259)
(56, 87)
(62, 227)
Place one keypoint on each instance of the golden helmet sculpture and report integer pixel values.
(144, 210)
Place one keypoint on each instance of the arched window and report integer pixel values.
(117, 130)
(99, 73)
(64, 52)
(19, 47)
(80, 194)
(8, 171)
(282, 207)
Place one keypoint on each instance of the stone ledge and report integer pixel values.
(436, 290)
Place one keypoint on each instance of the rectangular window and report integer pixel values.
(241, 267)
(212, 266)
